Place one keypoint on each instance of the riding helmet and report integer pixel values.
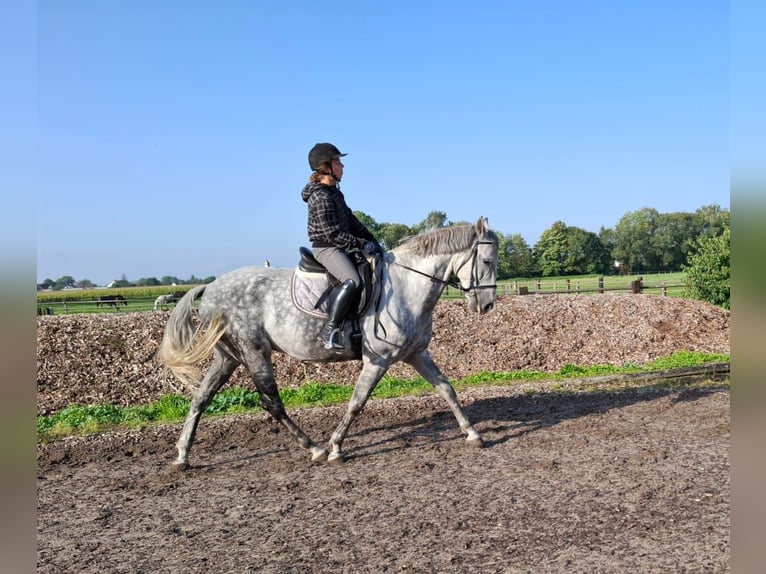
(321, 153)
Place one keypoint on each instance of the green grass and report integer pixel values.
(89, 419)
(670, 284)
(653, 283)
(84, 300)
(142, 298)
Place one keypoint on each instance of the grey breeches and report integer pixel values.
(337, 263)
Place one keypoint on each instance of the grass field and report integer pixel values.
(142, 298)
(84, 300)
(670, 284)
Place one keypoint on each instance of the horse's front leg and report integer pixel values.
(424, 364)
(365, 384)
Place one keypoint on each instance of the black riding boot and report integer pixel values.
(337, 312)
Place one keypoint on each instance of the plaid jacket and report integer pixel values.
(331, 223)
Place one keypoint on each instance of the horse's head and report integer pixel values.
(477, 270)
(467, 253)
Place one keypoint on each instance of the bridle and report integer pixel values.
(456, 284)
(470, 290)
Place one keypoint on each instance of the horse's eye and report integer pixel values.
(488, 262)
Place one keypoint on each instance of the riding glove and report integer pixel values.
(372, 248)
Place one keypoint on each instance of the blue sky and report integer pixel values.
(172, 136)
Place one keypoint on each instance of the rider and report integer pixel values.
(333, 230)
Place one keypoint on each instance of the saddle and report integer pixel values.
(312, 289)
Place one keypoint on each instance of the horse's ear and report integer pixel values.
(482, 226)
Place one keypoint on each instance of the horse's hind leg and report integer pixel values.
(424, 364)
(259, 364)
(219, 372)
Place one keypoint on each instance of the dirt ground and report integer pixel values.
(635, 480)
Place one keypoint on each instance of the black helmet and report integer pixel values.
(321, 153)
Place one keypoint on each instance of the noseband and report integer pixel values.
(474, 282)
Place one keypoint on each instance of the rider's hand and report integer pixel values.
(372, 248)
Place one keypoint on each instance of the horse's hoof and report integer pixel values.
(179, 466)
(335, 458)
(318, 455)
(475, 441)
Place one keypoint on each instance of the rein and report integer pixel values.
(456, 283)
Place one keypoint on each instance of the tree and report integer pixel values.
(565, 250)
(434, 220)
(148, 281)
(63, 282)
(551, 250)
(708, 269)
(646, 240)
(606, 236)
(711, 220)
(368, 222)
(632, 240)
(85, 284)
(671, 240)
(586, 254)
(514, 257)
(391, 234)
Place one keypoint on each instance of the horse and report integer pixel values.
(248, 313)
(113, 300)
(163, 301)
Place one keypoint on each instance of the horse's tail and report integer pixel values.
(183, 345)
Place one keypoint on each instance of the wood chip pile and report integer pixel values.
(109, 358)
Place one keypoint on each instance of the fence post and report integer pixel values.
(538, 284)
(523, 290)
(568, 286)
(600, 284)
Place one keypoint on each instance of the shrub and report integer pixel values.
(707, 269)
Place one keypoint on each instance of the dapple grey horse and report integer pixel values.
(247, 314)
(163, 302)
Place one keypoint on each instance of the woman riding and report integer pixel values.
(334, 230)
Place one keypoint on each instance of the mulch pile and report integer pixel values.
(109, 358)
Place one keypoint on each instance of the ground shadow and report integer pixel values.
(513, 416)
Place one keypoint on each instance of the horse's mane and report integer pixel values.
(443, 240)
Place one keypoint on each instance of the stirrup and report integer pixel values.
(330, 342)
